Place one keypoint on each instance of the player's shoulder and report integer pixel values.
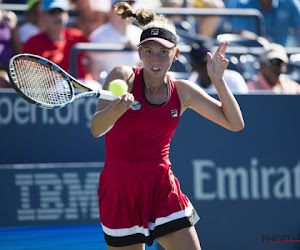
(123, 72)
(185, 86)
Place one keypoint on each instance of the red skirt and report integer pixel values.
(139, 202)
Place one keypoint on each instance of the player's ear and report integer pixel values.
(176, 55)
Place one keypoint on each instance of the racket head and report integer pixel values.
(40, 81)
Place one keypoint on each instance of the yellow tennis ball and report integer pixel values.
(118, 87)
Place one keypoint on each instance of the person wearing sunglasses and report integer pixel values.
(271, 77)
(56, 40)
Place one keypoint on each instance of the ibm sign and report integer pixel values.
(52, 193)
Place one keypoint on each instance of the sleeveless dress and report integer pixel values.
(139, 197)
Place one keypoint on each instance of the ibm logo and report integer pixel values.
(53, 196)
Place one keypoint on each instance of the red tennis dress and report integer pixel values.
(139, 197)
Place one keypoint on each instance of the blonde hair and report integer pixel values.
(146, 19)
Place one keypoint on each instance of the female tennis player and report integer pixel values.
(139, 197)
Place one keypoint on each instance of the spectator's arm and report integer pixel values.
(13, 23)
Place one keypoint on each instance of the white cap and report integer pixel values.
(274, 51)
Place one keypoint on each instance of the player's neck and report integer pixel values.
(153, 85)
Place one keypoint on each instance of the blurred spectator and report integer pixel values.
(91, 14)
(207, 25)
(280, 17)
(173, 4)
(32, 24)
(234, 79)
(4, 80)
(9, 42)
(148, 4)
(186, 23)
(56, 41)
(116, 31)
(230, 3)
(14, 1)
(273, 65)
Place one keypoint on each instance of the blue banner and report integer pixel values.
(245, 186)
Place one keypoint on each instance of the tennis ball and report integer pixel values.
(118, 87)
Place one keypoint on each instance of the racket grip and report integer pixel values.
(107, 95)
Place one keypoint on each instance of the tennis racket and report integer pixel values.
(43, 83)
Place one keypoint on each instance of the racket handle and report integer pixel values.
(106, 95)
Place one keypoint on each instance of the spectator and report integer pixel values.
(230, 3)
(4, 80)
(9, 42)
(32, 25)
(207, 25)
(173, 4)
(91, 14)
(273, 65)
(15, 1)
(234, 79)
(280, 17)
(116, 31)
(147, 5)
(56, 41)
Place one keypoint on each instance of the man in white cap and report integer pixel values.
(117, 32)
(273, 65)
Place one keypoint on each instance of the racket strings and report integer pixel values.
(41, 82)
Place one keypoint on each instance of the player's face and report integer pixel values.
(156, 58)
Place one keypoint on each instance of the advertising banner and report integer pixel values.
(244, 185)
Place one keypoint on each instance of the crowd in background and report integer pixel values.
(50, 28)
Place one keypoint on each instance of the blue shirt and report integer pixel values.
(283, 15)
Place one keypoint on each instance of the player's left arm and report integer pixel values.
(225, 112)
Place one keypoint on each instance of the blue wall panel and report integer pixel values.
(245, 185)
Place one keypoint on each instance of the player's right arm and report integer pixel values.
(107, 112)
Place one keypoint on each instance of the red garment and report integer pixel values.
(150, 128)
(283, 86)
(58, 52)
(139, 197)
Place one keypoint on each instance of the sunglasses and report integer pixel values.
(276, 62)
(55, 11)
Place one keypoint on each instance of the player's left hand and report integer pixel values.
(217, 64)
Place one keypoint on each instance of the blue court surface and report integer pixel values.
(88, 237)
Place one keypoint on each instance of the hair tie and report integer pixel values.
(134, 15)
